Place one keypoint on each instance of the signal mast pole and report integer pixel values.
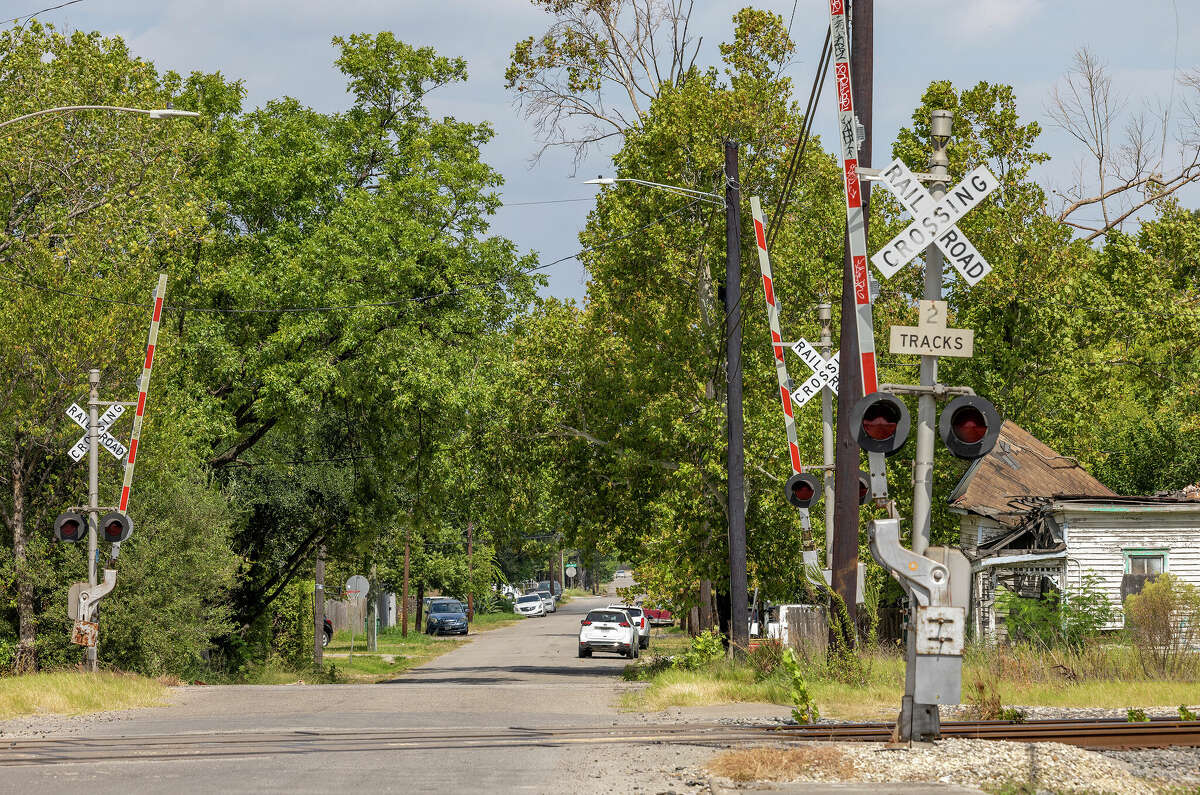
(845, 541)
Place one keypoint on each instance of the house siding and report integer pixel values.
(1098, 538)
(975, 530)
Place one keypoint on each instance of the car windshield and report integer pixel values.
(634, 612)
(446, 607)
(544, 594)
(611, 616)
(529, 597)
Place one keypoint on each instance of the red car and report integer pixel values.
(657, 617)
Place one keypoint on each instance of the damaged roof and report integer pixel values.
(1020, 466)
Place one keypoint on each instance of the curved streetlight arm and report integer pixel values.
(159, 113)
(697, 194)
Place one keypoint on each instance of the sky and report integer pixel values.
(282, 47)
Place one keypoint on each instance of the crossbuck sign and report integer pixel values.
(825, 373)
(935, 221)
(107, 440)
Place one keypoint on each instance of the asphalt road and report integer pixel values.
(514, 680)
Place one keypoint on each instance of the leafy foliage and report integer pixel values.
(1057, 620)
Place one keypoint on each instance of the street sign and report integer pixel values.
(104, 421)
(571, 571)
(931, 337)
(85, 633)
(357, 587)
(824, 376)
(934, 221)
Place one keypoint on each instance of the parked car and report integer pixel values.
(549, 600)
(620, 574)
(659, 617)
(638, 617)
(327, 633)
(553, 586)
(446, 616)
(610, 630)
(530, 604)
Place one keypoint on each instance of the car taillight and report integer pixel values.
(643, 624)
(585, 623)
(624, 624)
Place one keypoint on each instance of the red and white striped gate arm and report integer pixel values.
(160, 295)
(839, 42)
(785, 396)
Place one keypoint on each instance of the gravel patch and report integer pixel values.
(985, 764)
(1175, 766)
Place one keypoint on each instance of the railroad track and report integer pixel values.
(1095, 734)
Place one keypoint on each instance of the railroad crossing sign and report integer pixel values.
(825, 373)
(931, 337)
(107, 440)
(934, 221)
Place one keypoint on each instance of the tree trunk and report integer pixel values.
(705, 617)
(25, 660)
(420, 605)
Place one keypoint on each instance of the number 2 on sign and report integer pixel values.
(931, 313)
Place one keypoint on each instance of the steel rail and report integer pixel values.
(1086, 733)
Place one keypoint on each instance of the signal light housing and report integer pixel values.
(880, 423)
(115, 527)
(70, 527)
(969, 426)
(802, 490)
(864, 487)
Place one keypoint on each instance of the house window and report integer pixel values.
(1146, 563)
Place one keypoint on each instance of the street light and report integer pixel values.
(697, 194)
(154, 113)
(739, 618)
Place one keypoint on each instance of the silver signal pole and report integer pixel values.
(939, 125)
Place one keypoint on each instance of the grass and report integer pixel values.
(72, 693)
(1105, 677)
(394, 654)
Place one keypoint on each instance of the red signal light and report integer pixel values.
(70, 527)
(115, 527)
(802, 490)
(969, 426)
(880, 422)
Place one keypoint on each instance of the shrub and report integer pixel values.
(765, 658)
(1057, 621)
(804, 708)
(1164, 620)
(706, 647)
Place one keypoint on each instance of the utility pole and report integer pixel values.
(739, 630)
(825, 316)
(93, 490)
(404, 601)
(470, 570)
(319, 609)
(845, 542)
(940, 124)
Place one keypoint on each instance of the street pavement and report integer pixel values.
(523, 677)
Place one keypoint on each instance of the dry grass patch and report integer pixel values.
(71, 693)
(782, 764)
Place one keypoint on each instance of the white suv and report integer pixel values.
(638, 617)
(609, 630)
(530, 604)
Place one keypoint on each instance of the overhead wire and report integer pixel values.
(26, 17)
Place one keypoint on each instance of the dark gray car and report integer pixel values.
(446, 616)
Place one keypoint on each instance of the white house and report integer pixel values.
(1032, 521)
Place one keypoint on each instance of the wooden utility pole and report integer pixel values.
(470, 570)
(739, 630)
(404, 601)
(846, 513)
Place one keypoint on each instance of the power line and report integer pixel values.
(27, 17)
